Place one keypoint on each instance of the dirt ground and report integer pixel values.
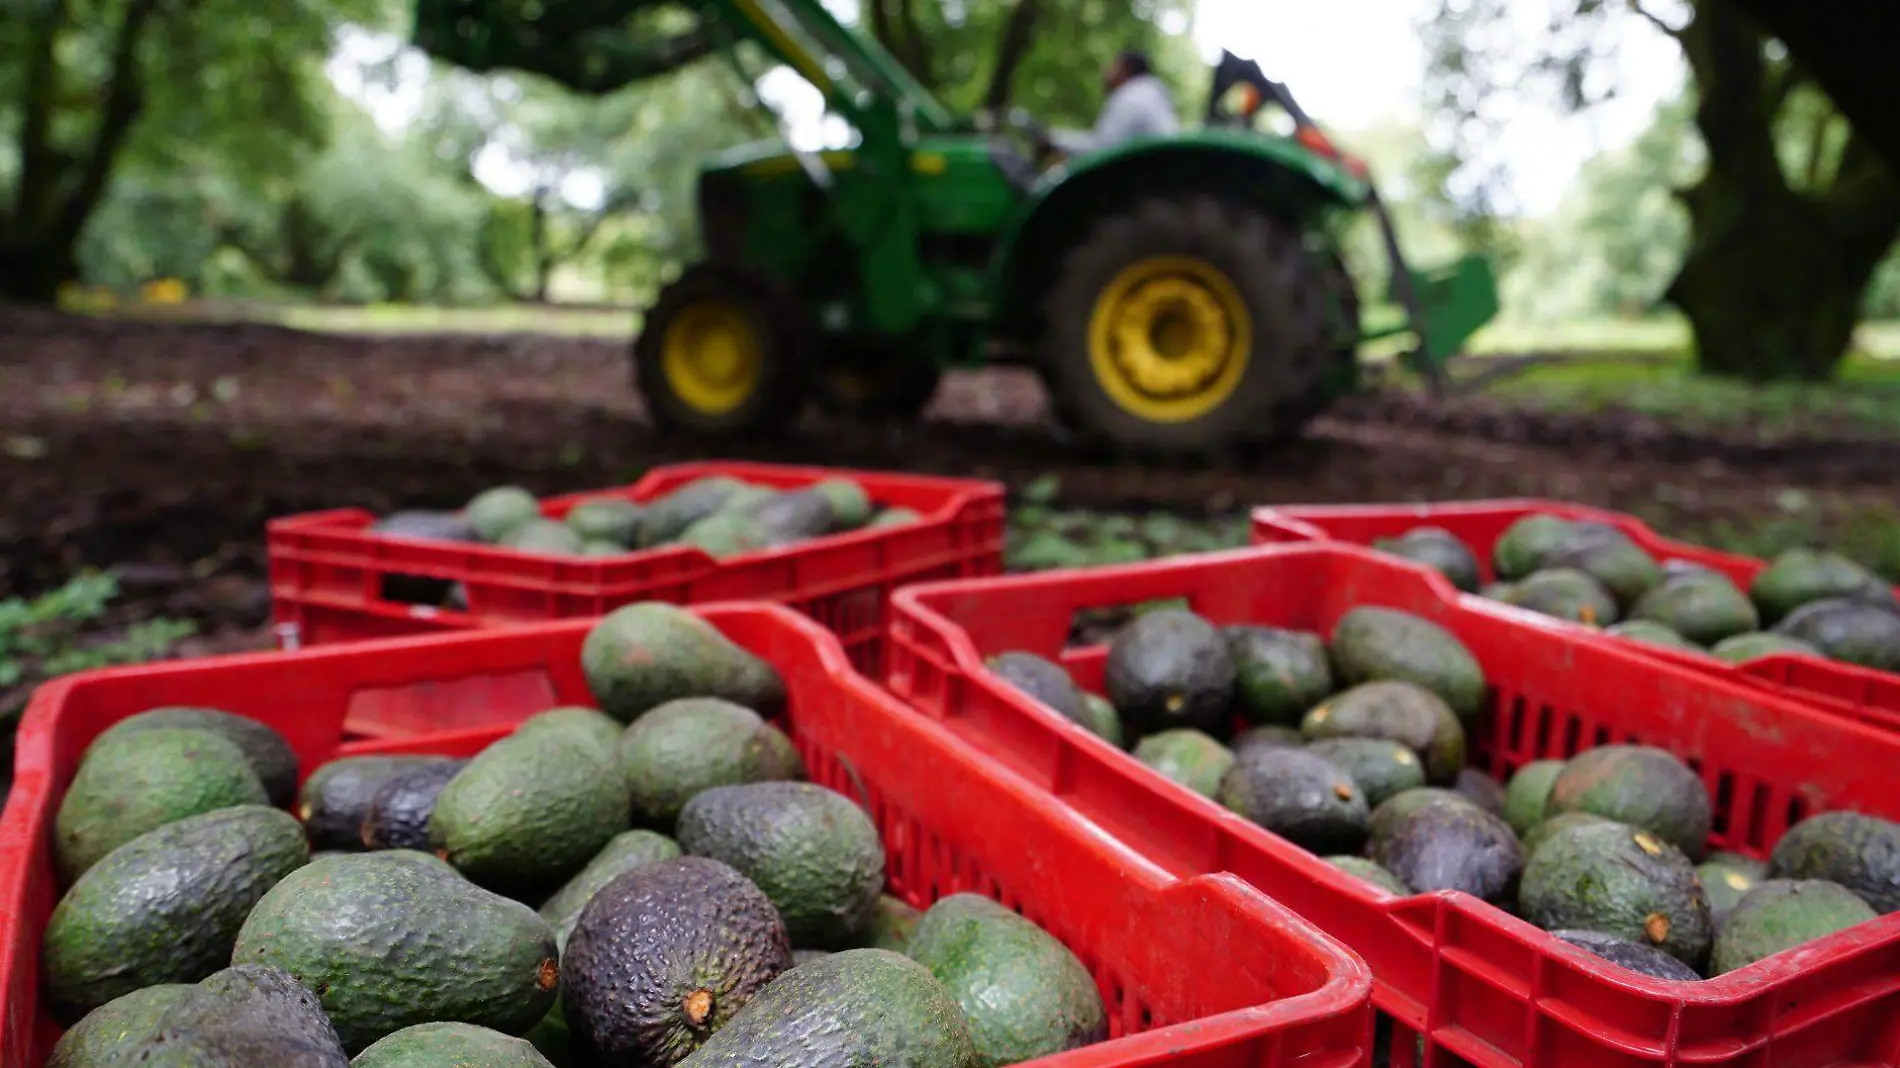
(161, 449)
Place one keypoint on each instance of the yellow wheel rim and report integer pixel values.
(1169, 339)
(712, 357)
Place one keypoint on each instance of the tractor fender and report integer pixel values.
(1274, 174)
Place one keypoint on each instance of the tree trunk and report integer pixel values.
(33, 268)
(1018, 30)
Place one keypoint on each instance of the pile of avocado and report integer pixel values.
(721, 515)
(1040, 538)
(646, 883)
(1807, 601)
(1353, 746)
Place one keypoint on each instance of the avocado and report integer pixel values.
(1555, 825)
(1450, 846)
(744, 499)
(1564, 593)
(892, 923)
(1104, 722)
(597, 547)
(609, 519)
(1279, 674)
(725, 534)
(1741, 648)
(1527, 543)
(140, 781)
(337, 796)
(668, 516)
(1438, 549)
(1802, 576)
(1400, 806)
(1781, 914)
(1497, 591)
(1703, 607)
(1044, 681)
(1484, 791)
(850, 505)
(1023, 993)
(269, 755)
(450, 1045)
(696, 743)
(1378, 766)
(1612, 560)
(1170, 668)
(664, 956)
(1755, 869)
(644, 655)
(110, 1034)
(240, 1017)
(791, 516)
(496, 513)
(1188, 757)
(529, 811)
(625, 852)
(387, 942)
(1725, 888)
(815, 854)
(1677, 568)
(600, 729)
(1853, 632)
(1649, 632)
(1366, 871)
(1628, 883)
(1385, 644)
(1859, 852)
(1642, 786)
(1529, 793)
(806, 956)
(1301, 797)
(1268, 738)
(1401, 712)
(166, 906)
(862, 1008)
(398, 816)
(1639, 958)
(892, 517)
(424, 525)
(544, 536)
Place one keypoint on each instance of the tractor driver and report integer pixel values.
(1137, 106)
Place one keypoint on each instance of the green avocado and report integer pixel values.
(1752, 867)
(1279, 674)
(1366, 871)
(387, 942)
(668, 516)
(398, 816)
(1639, 958)
(1450, 846)
(1400, 712)
(599, 728)
(1623, 882)
(337, 796)
(1301, 797)
(140, 781)
(1380, 767)
(529, 811)
(696, 743)
(814, 853)
(1802, 576)
(1023, 993)
(862, 1008)
(625, 852)
(241, 1017)
(1555, 825)
(269, 755)
(1649, 632)
(893, 517)
(1781, 914)
(892, 924)
(1044, 681)
(643, 655)
(1104, 722)
(1528, 793)
(1641, 786)
(792, 516)
(1527, 543)
(1170, 668)
(166, 906)
(1439, 550)
(850, 505)
(1704, 607)
(1483, 790)
(1725, 888)
(725, 534)
(110, 1034)
(1741, 648)
(450, 1045)
(1400, 806)
(1384, 644)
(1268, 738)
(1610, 558)
(1564, 593)
(1859, 852)
(496, 513)
(599, 547)
(664, 956)
(543, 536)
(1188, 757)
(609, 519)
(1854, 632)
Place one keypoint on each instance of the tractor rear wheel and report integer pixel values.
(723, 352)
(1190, 325)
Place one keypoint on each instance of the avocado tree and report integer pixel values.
(1793, 210)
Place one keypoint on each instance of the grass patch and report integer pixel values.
(418, 319)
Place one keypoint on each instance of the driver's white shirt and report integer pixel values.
(1139, 107)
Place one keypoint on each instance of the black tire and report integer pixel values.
(1273, 276)
(875, 383)
(779, 327)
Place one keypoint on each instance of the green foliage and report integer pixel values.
(44, 638)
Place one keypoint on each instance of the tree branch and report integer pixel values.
(125, 98)
(881, 23)
(1018, 30)
(1636, 7)
(38, 161)
(919, 59)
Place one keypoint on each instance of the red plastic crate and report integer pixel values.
(1483, 987)
(1279, 995)
(330, 577)
(1838, 687)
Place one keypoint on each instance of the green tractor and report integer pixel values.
(1176, 295)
